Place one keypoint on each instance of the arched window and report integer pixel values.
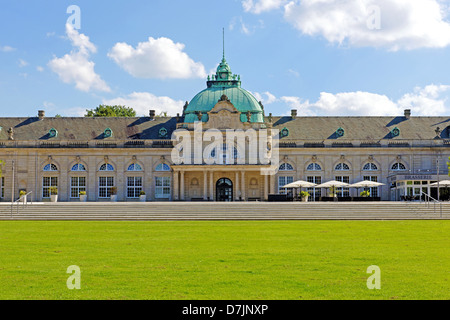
(398, 166)
(342, 167)
(370, 167)
(162, 167)
(286, 167)
(78, 167)
(106, 167)
(134, 167)
(314, 167)
(50, 167)
(225, 154)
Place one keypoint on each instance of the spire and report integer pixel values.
(223, 44)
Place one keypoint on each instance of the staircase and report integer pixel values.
(225, 211)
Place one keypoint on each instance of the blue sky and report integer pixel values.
(334, 57)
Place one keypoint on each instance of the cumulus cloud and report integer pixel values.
(142, 102)
(260, 6)
(427, 101)
(392, 24)
(75, 67)
(6, 49)
(156, 58)
(265, 97)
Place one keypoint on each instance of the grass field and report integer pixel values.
(225, 259)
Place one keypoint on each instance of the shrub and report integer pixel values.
(365, 194)
(22, 193)
(82, 193)
(113, 190)
(54, 191)
(142, 193)
(304, 194)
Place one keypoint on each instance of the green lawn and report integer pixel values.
(225, 259)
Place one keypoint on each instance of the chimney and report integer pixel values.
(407, 113)
(152, 114)
(294, 113)
(41, 114)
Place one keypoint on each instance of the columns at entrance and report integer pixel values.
(211, 185)
(205, 185)
(236, 187)
(175, 186)
(243, 186)
(181, 185)
(266, 187)
(272, 184)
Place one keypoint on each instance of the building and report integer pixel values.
(406, 153)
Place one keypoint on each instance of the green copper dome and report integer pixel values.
(223, 83)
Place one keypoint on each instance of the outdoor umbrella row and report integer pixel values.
(335, 184)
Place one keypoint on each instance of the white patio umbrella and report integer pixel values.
(333, 183)
(367, 184)
(443, 183)
(300, 184)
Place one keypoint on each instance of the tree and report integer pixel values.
(110, 111)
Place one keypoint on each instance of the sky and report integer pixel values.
(321, 57)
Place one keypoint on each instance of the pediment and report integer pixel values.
(224, 115)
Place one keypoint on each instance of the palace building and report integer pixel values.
(95, 154)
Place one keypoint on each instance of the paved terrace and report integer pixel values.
(140, 211)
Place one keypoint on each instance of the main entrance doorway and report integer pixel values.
(224, 190)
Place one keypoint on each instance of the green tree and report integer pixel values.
(110, 111)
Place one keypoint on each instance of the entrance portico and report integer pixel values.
(201, 182)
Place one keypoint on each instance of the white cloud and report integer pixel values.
(156, 58)
(6, 49)
(142, 102)
(40, 68)
(391, 24)
(245, 28)
(265, 97)
(75, 67)
(22, 63)
(427, 101)
(260, 6)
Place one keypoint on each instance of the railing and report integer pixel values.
(18, 201)
(429, 199)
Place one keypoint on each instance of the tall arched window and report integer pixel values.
(225, 157)
(370, 167)
(313, 167)
(342, 167)
(398, 166)
(50, 181)
(162, 167)
(286, 167)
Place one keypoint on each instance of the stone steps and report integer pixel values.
(224, 211)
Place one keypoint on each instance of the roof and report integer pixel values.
(87, 128)
(205, 100)
(300, 128)
(362, 128)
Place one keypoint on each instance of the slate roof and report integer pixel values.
(362, 128)
(302, 128)
(86, 128)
